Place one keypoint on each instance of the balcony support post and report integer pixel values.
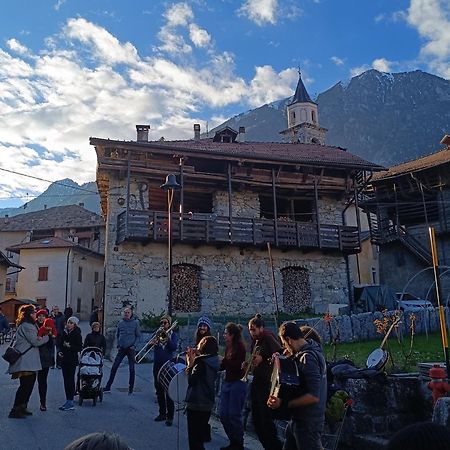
(316, 205)
(128, 194)
(230, 205)
(275, 211)
(181, 197)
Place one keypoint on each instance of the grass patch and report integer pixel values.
(425, 349)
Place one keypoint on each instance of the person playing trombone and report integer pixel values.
(234, 388)
(128, 334)
(165, 343)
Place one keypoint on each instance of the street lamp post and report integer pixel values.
(169, 186)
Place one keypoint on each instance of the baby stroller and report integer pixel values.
(90, 372)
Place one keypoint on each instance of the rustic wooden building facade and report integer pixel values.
(402, 203)
(235, 197)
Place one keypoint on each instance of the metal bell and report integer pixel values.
(171, 183)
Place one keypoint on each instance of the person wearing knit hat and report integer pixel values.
(203, 329)
(69, 347)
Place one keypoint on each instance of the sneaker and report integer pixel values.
(160, 418)
(169, 422)
(16, 414)
(68, 406)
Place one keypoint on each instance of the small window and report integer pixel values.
(43, 274)
(313, 116)
(95, 277)
(78, 304)
(80, 274)
(8, 284)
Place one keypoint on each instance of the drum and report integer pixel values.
(377, 359)
(174, 379)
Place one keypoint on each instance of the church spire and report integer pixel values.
(301, 94)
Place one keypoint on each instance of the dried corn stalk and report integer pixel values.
(296, 289)
(186, 288)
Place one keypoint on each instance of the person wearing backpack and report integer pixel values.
(307, 409)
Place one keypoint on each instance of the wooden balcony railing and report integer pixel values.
(140, 225)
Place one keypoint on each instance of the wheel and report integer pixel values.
(80, 400)
(94, 401)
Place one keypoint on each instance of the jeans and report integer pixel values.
(130, 353)
(25, 389)
(197, 421)
(68, 372)
(303, 436)
(232, 399)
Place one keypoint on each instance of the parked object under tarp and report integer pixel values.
(371, 298)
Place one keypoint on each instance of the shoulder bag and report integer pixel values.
(12, 355)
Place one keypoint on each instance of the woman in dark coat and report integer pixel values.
(202, 367)
(71, 345)
(26, 367)
(45, 353)
(95, 338)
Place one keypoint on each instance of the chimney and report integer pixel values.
(196, 131)
(81, 204)
(142, 132)
(241, 135)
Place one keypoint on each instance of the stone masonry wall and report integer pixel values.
(330, 210)
(244, 204)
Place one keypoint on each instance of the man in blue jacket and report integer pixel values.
(164, 347)
(128, 334)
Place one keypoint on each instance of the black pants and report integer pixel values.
(197, 422)
(262, 417)
(166, 405)
(130, 353)
(68, 371)
(25, 389)
(42, 385)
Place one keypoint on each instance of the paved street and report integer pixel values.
(129, 416)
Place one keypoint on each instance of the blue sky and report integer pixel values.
(71, 69)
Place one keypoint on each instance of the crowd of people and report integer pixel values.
(47, 340)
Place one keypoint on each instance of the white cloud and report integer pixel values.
(382, 65)
(86, 82)
(338, 61)
(58, 4)
(355, 71)
(179, 14)
(261, 12)
(199, 37)
(431, 18)
(16, 46)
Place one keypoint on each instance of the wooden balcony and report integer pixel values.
(209, 229)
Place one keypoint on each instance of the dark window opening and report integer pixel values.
(43, 274)
(95, 277)
(186, 287)
(78, 304)
(41, 234)
(313, 116)
(298, 210)
(80, 274)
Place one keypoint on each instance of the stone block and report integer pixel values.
(338, 309)
(441, 412)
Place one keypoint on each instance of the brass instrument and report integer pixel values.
(250, 363)
(160, 337)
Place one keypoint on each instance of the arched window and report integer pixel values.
(186, 287)
(296, 289)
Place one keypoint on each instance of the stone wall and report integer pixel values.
(330, 210)
(244, 204)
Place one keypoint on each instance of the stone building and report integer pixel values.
(236, 197)
(402, 203)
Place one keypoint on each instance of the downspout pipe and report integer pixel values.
(67, 277)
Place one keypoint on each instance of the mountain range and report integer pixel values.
(384, 118)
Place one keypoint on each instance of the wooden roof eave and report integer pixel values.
(223, 155)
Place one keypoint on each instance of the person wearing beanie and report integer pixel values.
(46, 353)
(70, 345)
(95, 338)
(128, 334)
(203, 329)
(164, 346)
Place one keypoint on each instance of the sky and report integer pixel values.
(72, 69)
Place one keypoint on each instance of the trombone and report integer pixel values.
(160, 336)
(250, 363)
